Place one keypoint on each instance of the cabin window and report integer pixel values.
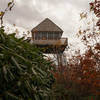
(40, 36)
(50, 36)
(59, 36)
(36, 36)
(56, 35)
(47, 36)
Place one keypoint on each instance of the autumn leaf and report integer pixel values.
(80, 32)
(83, 15)
(9, 4)
(91, 6)
(1, 13)
(88, 23)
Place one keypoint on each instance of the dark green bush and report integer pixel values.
(24, 73)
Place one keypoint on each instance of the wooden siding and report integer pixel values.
(62, 41)
(46, 36)
(47, 25)
(51, 46)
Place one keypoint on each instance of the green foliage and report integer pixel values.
(24, 73)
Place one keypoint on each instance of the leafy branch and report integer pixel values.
(8, 8)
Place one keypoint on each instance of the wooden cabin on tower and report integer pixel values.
(48, 35)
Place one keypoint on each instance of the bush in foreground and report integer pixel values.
(24, 73)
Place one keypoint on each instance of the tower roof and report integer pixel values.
(47, 26)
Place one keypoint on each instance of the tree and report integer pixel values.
(8, 8)
(95, 7)
(24, 73)
(81, 78)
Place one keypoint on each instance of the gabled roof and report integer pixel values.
(48, 26)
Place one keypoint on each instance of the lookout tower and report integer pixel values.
(47, 35)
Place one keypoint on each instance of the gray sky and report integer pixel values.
(65, 13)
(28, 13)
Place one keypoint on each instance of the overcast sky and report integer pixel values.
(28, 13)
